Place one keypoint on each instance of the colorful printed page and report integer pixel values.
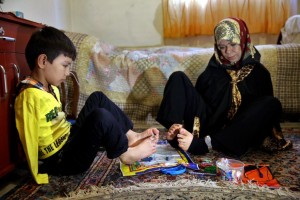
(166, 156)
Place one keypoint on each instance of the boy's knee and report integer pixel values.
(96, 97)
(96, 94)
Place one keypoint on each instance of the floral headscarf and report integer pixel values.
(234, 30)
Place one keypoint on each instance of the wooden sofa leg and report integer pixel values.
(76, 90)
(75, 98)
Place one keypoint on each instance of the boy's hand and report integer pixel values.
(173, 131)
(185, 139)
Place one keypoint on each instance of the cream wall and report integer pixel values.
(119, 22)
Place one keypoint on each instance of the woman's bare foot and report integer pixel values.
(173, 131)
(145, 148)
(135, 138)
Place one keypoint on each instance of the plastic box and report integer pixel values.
(230, 169)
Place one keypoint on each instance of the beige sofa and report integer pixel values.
(135, 78)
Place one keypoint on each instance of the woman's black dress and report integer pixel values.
(211, 98)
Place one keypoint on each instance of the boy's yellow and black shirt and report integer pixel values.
(41, 123)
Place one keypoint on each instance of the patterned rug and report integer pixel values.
(105, 181)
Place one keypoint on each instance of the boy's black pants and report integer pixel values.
(100, 123)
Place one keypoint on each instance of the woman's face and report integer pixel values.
(231, 51)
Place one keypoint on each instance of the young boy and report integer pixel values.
(44, 132)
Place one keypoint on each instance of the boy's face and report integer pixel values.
(56, 72)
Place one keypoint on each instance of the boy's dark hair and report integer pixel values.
(49, 41)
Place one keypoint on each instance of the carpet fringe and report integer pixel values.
(226, 186)
(281, 191)
(179, 183)
(92, 191)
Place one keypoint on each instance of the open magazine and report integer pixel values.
(165, 157)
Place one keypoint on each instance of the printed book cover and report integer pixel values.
(165, 157)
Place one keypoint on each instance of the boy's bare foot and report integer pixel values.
(155, 135)
(145, 148)
(135, 138)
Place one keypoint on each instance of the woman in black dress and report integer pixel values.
(232, 104)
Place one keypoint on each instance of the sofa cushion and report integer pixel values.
(288, 77)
